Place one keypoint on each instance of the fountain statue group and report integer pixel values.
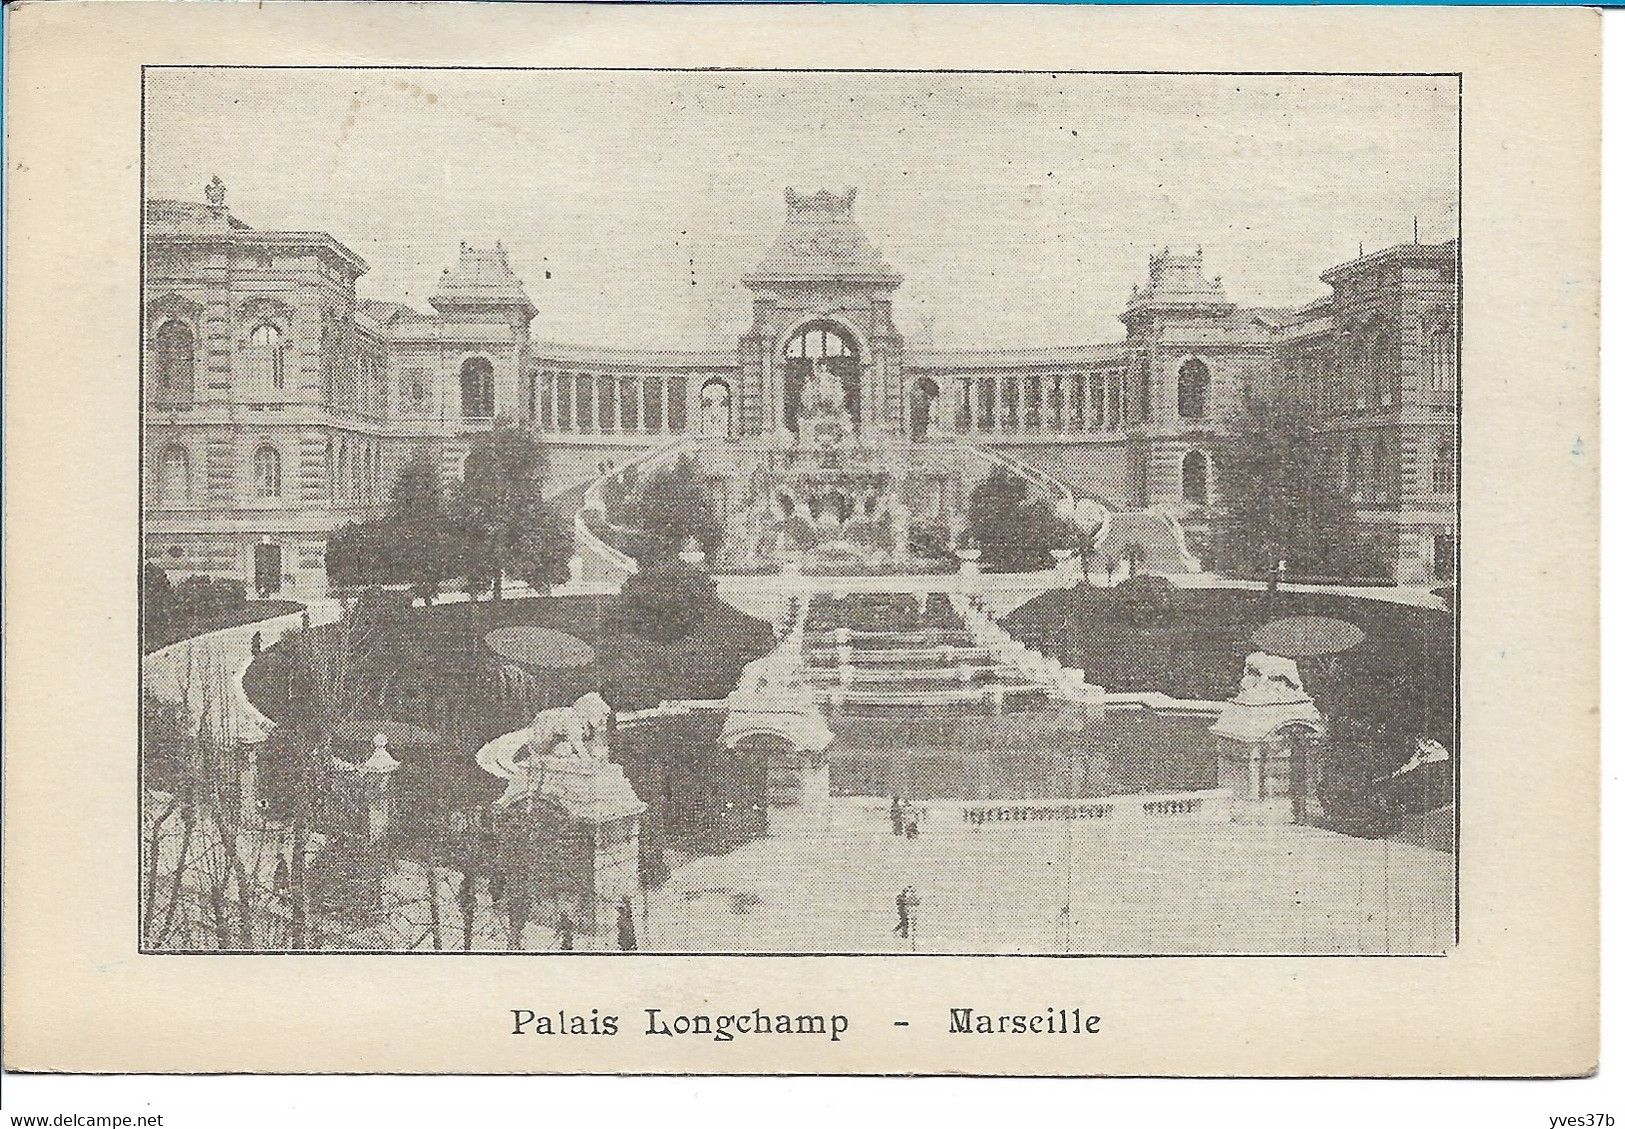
(826, 503)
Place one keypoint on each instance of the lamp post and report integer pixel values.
(376, 771)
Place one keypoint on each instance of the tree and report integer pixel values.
(361, 552)
(665, 602)
(158, 599)
(422, 527)
(499, 511)
(1281, 500)
(413, 543)
(1015, 530)
(674, 505)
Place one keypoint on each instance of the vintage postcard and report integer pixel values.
(862, 540)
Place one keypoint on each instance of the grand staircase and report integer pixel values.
(886, 654)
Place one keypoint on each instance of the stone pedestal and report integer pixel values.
(598, 805)
(1266, 737)
(566, 796)
(773, 715)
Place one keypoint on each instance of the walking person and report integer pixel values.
(518, 912)
(911, 822)
(565, 934)
(626, 930)
(896, 815)
(908, 904)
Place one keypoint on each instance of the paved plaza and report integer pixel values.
(1157, 886)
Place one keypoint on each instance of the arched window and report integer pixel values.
(1195, 382)
(1195, 476)
(1354, 479)
(479, 389)
(1441, 354)
(267, 359)
(820, 342)
(415, 390)
(677, 402)
(174, 362)
(175, 476)
(267, 472)
(716, 410)
(1444, 466)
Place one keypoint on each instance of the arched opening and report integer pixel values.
(267, 569)
(1195, 474)
(479, 389)
(832, 345)
(1444, 466)
(1302, 744)
(175, 476)
(1195, 383)
(1354, 477)
(267, 360)
(924, 408)
(267, 472)
(716, 409)
(174, 363)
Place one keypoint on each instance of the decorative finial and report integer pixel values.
(380, 761)
(215, 193)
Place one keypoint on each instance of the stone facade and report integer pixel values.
(279, 405)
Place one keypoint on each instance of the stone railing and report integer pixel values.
(587, 540)
(942, 816)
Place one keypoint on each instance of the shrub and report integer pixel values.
(669, 507)
(1145, 599)
(664, 601)
(1016, 530)
(207, 597)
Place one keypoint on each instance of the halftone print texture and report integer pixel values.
(775, 512)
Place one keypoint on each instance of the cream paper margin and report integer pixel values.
(1517, 997)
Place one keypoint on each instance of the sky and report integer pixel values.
(1019, 209)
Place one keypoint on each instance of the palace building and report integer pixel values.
(279, 404)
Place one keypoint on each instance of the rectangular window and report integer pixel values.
(1012, 403)
(629, 403)
(677, 403)
(544, 400)
(654, 417)
(984, 404)
(583, 383)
